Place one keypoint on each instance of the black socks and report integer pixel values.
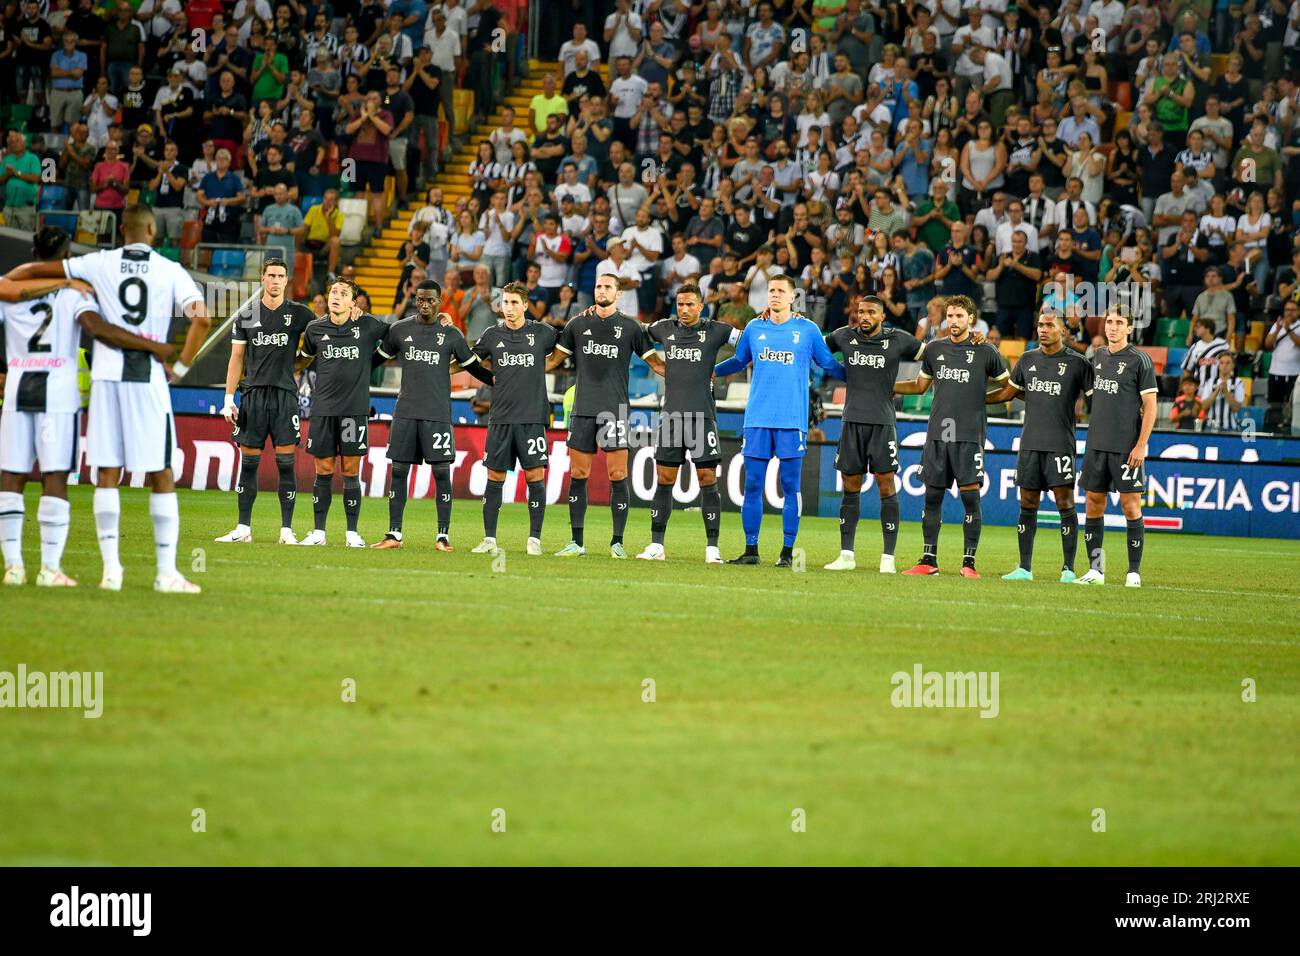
(850, 513)
(661, 510)
(536, 507)
(352, 500)
(492, 507)
(1026, 528)
(577, 507)
(619, 497)
(970, 501)
(931, 519)
(890, 516)
(287, 488)
(247, 487)
(322, 492)
(711, 509)
(397, 493)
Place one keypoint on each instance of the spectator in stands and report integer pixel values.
(271, 173)
(67, 83)
(324, 229)
(422, 85)
(34, 41)
(76, 163)
(629, 278)
(282, 224)
(467, 244)
(1016, 275)
(110, 180)
(167, 184)
(124, 47)
(225, 116)
(480, 305)
(221, 196)
(1186, 410)
(1216, 305)
(370, 151)
(498, 226)
(1283, 340)
(20, 174)
(146, 152)
(1204, 347)
(1225, 398)
(176, 111)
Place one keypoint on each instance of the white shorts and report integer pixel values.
(48, 437)
(130, 426)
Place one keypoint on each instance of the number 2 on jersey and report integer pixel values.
(34, 344)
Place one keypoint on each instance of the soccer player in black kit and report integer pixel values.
(421, 430)
(689, 423)
(1050, 379)
(264, 343)
(1123, 414)
(343, 346)
(960, 372)
(602, 343)
(516, 350)
(869, 436)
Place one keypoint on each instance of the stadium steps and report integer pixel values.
(378, 268)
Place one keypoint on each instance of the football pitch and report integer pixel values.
(507, 715)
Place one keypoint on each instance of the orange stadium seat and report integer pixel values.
(1159, 356)
(303, 265)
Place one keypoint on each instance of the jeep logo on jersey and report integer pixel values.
(874, 361)
(601, 349)
(341, 352)
(687, 355)
(428, 356)
(279, 339)
(771, 355)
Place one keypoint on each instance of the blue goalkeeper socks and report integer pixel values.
(751, 511)
(791, 481)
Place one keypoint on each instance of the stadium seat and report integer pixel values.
(737, 392)
(64, 220)
(1249, 384)
(333, 163)
(191, 234)
(170, 251)
(1258, 329)
(307, 202)
(354, 220)
(839, 395)
(1174, 360)
(19, 113)
(227, 263)
(52, 196)
(253, 260)
(1254, 343)
(1159, 356)
(303, 266)
(1012, 349)
(1122, 93)
(1265, 360)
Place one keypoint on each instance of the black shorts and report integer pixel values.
(682, 433)
(946, 462)
(867, 448)
(334, 435)
(1041, 470)
(507, 444)
(372, 175)
(587, 433)
(1105, 471)
(266, 412)
(412, 441)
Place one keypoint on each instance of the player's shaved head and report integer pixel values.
(138, 224)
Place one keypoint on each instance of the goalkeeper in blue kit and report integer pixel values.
(781, 346)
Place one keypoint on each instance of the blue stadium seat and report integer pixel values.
(227, 263)
(309, 201)
(1175, 360)
(52, 196)
(64, 220)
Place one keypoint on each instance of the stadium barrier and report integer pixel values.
(1249, 499)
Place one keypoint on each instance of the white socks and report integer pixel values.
(11, 527)
(52, 514)
(108, 515)
(165, 513)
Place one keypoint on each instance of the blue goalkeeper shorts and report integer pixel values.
(768, 443)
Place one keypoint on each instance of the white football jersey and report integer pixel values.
(42, 339)
(140, 291)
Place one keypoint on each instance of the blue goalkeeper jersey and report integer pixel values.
(782, 355)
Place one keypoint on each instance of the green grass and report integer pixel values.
(522, 690)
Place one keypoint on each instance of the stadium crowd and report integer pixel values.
(1027, 155)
